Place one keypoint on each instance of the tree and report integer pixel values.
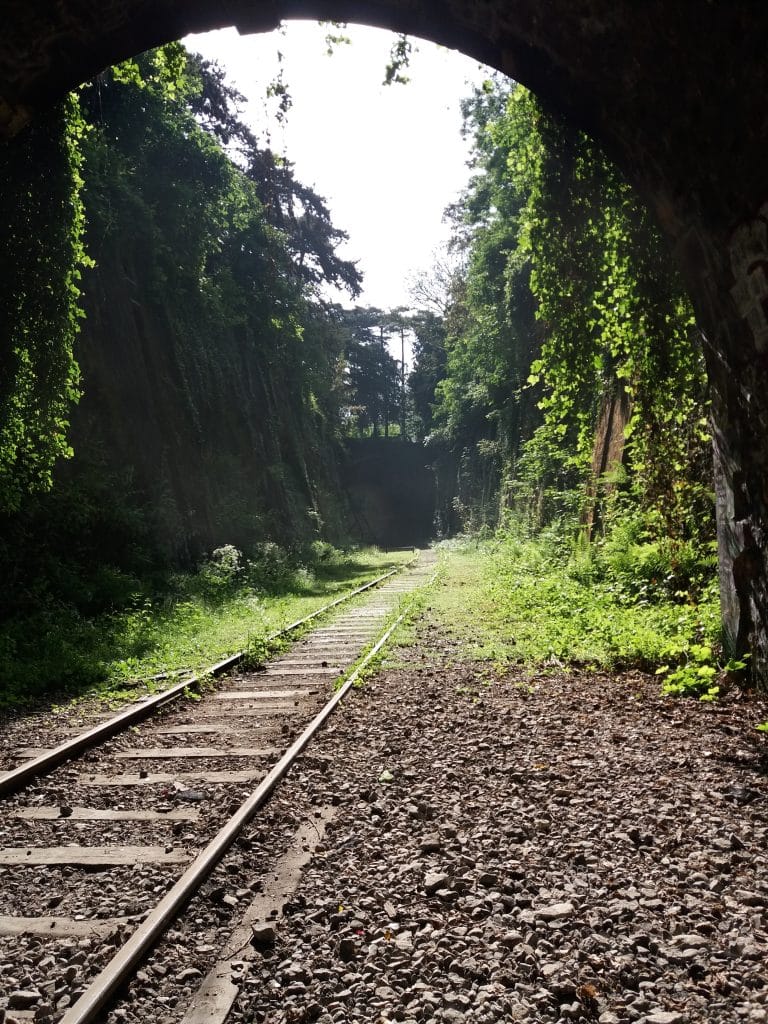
(429, 352)
(372, 373)
(567, 297)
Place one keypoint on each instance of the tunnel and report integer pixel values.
(675, 93)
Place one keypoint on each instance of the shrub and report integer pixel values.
(222, 571)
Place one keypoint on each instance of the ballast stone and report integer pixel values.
(435, 880)
(555, 911)
(24, 999)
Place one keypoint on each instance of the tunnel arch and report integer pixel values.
(676, 93)
(615, 67)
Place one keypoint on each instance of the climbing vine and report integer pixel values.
(569, 299)
(42, 211)
(614, 313)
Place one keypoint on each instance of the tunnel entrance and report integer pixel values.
(638, 78)
(392, 492)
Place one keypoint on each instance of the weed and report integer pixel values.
(528, 601)
(256, 652)
(696, 677)
(411, 608)
(195, 620)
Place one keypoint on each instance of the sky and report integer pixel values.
(388, 159)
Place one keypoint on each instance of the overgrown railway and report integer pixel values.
(108, 837)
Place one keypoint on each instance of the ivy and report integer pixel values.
(399, 61)
(615, 315)
(42, 211)
(568, 298)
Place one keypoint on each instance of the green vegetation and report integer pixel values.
(563, 307)
(534, 603)
(209, 370)
(42, 215)
(230, 604)
(372, 376)
(560, 387)
(202, 407)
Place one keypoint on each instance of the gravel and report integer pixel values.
(564, 847)
(506, 847)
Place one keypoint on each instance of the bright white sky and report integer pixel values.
(388, 159)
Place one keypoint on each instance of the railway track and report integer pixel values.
(108, 849)
(38, 762)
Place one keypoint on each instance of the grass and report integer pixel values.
(524, 602)
(198, 620)
(411, 607)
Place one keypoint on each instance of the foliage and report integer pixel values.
(42, 215)
(209, 263)
(615, 317)
(186, 622)
(567, 305)
(481, 410)
(399, 60)
(212, 377)
(694, 678)
(335, 36)
(568, 298)
(429, 354)
(518, 601)
(212, 259)
(372, 376)
(222, 570)
(698, 676)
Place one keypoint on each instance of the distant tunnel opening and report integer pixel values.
(392, 492)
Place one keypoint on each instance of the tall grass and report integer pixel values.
(532, 601)
(193, 620)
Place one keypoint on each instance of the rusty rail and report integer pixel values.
(90, 1006)
(15, 779)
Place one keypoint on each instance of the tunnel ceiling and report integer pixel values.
(676, 91)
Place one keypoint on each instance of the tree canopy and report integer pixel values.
(569, 298)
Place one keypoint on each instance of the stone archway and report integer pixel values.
(676, 92)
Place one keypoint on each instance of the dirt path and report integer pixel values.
(567, 848)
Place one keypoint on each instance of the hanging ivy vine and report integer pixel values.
(614, 313)
(568, 286)
(42, 213)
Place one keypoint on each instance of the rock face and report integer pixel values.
(676, 94)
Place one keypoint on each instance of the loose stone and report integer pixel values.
(556, 911)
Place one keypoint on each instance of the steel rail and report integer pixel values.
(94, 999)
(17, 778)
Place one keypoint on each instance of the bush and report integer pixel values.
(639, 568)
(222, 571)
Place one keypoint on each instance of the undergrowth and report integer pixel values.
(622, 604)
(192, 621)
